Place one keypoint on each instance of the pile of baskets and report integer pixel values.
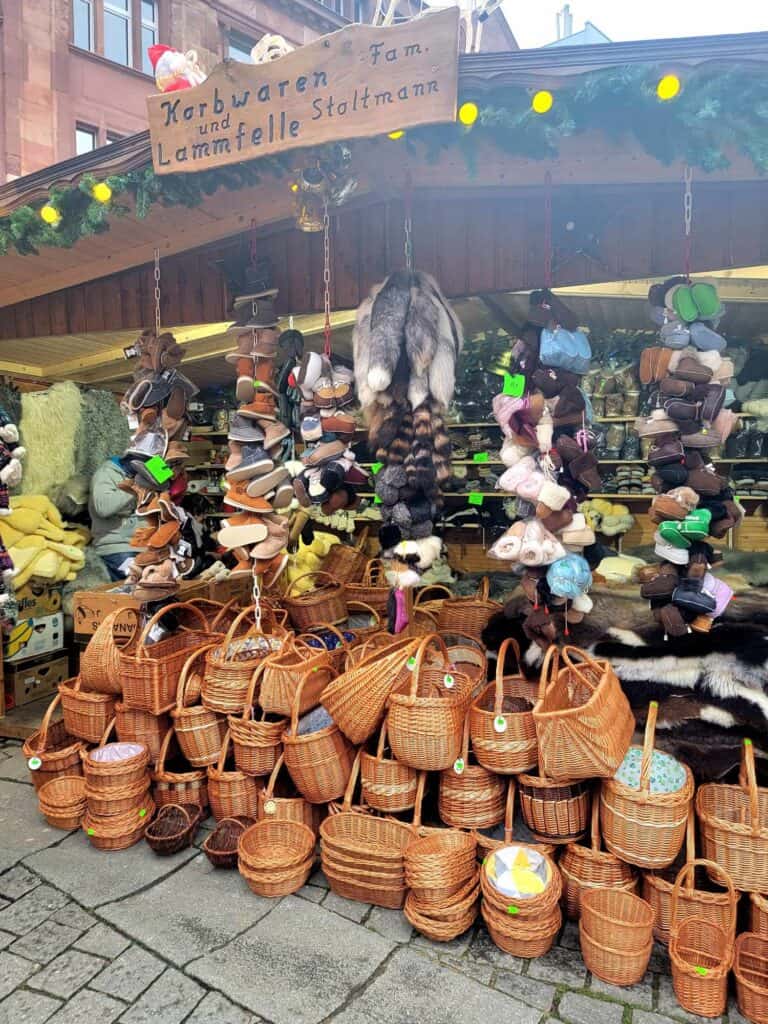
(117, 793)
(276, 857)
(442, 876)
(524, 925)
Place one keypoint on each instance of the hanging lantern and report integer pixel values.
(309, 214)
(468, 113)
(542, 102)
(50, 215)
(101, 192)
(668, 87)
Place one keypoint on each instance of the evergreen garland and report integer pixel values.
(715, 111)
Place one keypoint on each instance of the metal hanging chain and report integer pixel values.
(547, 230)
(687, 218)
(408, 223)
(327, 278)
(257, 602)
(157, 292)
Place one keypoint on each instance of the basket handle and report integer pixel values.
(167, 807)
(233, 628)
(141, 646)
(509, 811)
(296, 702)
(184, 676)
(255, 676)
(374, 573)
(568, 652)
(426, 590)
(163, 752)
(687, 873)
(484, 589)
(748, 764)
(361, 604)
(107, 731)
(650, 736)
(45, 724)
(690, 835)
(381, 745)
(222, 612)
(421, 784)
(465, 741)
(549, 668)
(325, 626)
(269, 791)
(223, 753)
(346, 804)
(501, 657)
(430, 638)
(319, 572)
(362, 539)
(594, 828)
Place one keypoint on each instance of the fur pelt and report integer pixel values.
(103, 432)
(388, 316)
(421, 340)
(49, 423)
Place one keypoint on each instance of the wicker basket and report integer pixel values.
(275, 857)
(718, 907)
(644, 828)
(183, 787)
(86, 715)
(439, 866)
(115, 767)
(100, 661)
(273, 803)
(589, 867)
(326, 602)
(427, 712)
(230, 664)
(387, 785)
(501, 722)
(257, 742)
(525, 928)
(284, 671)
(62, 802)
(555, 812)
(750, 968)
(701, 953)
(118, 831)
(150, 672)
(318, 762)
(469, 657)
(732, 826)
(173, 829)
(346, 562)
(468, 615)
(135, 726)
(230, 792)
(616, 934)
(486, 843)
(584, 723)
(118, 801)
(322, 635)
(431, 598)
(373, 589)
(51, 751)
(758, 913)
(199, 731)
(220, 847)
(469, 795)
(442, 926)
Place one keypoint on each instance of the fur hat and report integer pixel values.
(569, 576)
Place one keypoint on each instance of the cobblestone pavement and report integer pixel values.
(94, 937)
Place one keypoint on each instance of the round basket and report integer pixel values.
(373, 590)
(528, 939)
(284, 670)
(758, 914)
(275, 804)
(199, 731)
(439, 865)
(501, 720)
(118, 831)
(441, 929)
(616, 919)
(220, 847)
(430, 599)
(469, 795)
(135, 726)
(701, 954)
(613, 966)
(62, 802)
(112, 767)
(387, 785)
(276, 857)
(555, 812)
(181, 787)
(257, 742)
(468, 615)
(326, 602)
(229, 664)
(346, 562)
(750, 968)
(100, 661)
(173, 829)
(468, 656)
(641, 827)
(118, 801)
(230, 792)
(589, 867)
(86, 715)
(51, 751)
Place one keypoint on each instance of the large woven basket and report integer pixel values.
(326, 602)
(386, 784)
(51, 751)
(373, 589)
(199, 731)
(230, 791)
(150, 671)
(283, 672)
(229, 664)
(555, 812)
(62, 801)
(750, 968)
(733, 823)
(616, 934)
(346, 562)
(100, 661)
(282, 802)
(469, 795)
(122, 767)
(584, 723)
(118, 831)
(501, 722)
(641, 827)
(589, 867)
(135, 726)
(257, 742)
(701, 954)
(468, 615)
(86, 714)
(178, 787)
(275, 857)
(525, 928)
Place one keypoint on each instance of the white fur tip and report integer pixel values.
(626, 636)
(379, 378)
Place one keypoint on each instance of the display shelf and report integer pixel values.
(207, 465)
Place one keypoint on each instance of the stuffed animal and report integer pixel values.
(173, 69)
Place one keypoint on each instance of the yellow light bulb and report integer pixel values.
(542, 102)
(396, 135)
(295, 187)
(668, 87)
(50, 215)
(101, 192)
(468, 113)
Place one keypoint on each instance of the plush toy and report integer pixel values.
(175, 70)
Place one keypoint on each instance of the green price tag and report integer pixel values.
(747, 743)
(159, 469)
(143, 812)
(475, 498)
(514, 384)
(376, 499)
(481, 457)
(512, 909)
(703, 971)
(91, 832)
(376, 467)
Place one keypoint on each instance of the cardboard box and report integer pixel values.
(34, 680)
(31, 638)
(90, 607)
(36, 599)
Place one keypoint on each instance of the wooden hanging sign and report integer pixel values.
(356, 83)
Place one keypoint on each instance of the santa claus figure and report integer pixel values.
(174, 70)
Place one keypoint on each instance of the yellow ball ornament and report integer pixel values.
(396, 135)
(668, 87)
(468, 113)
(542, 102)
(50, 215)
(101, 192)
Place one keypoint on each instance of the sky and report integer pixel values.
(534, 23)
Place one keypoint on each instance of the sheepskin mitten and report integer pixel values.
(401, 515)
(393, 476)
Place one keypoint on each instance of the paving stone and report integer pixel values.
(31, 910)
(669, 1006)
(17, 882)
(67, 974)
(169, 999)
(91, 879)
(640, 995)
(311, 893)
(580, 1009)
(4, 903)
(641, 1017)
(456, 947)
(74, 917)
(215, 1009)
(569, 937)
(45, 942)
(392, 924)
(527, 990)
(23, 830)
(480, 972)
(129, 975)
(14, 769)
(29, 1007)
(202, 909)
(306, 960)
(350, 909)
(103, 941)
(89, 1007)
(6, 938)
(14, 971)
(319, 880)
(560, 967)
(659, 962)
(484, 950)
(415, 990)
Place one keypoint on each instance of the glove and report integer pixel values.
(10, 474)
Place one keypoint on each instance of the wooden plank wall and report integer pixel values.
(472, 242)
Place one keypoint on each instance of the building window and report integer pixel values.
(86, 139)
(82, 24)
(359, 15)
(120, 30)
(148, 32)
(334, 5)
(113, 137)
(239, 46)
(117, 31)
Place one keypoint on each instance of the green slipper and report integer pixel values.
(669, 532)
(684, 305)
(706, 300)
(696, 524)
